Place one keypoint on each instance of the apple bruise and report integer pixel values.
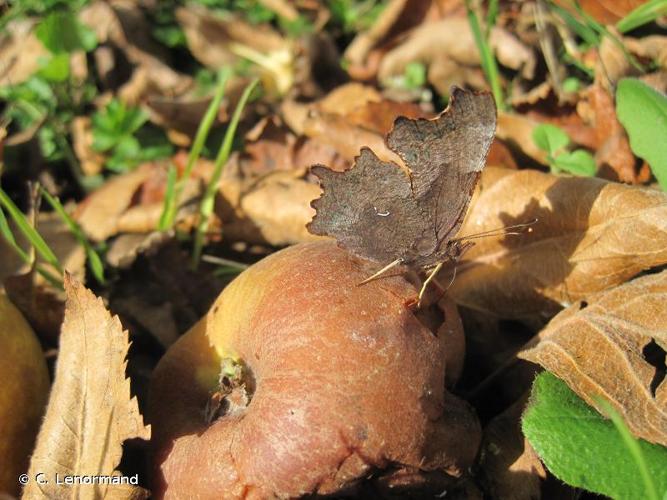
(348, 384)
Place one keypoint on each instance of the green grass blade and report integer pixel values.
(489, 64)
(197, 146)
(582, 30)
(11, 241)
(169, 207)
(644, 14)
(491, 16)
(633, 448)
(601, 31)
(94, 260)
(30, 232)
(208, 201)
(23, 255)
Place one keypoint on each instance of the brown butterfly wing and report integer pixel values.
(445, 156)
(377, 212)
(369, 209)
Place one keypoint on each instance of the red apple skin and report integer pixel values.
(347, 382)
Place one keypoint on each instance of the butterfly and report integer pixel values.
(378, 212)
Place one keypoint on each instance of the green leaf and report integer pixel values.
(550, 138)
(571, 84)
(415, 75)
(579, 162)
(582, 448)
(56, 68)
(643, 112)
(61, 32)
(644, 14)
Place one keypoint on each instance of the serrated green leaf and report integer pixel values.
(643, 112)
(579, 162)
(582, 448)
(550, 138)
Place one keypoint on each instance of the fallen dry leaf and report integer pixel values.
(122, 23)
(222, 40)
(90, 160)
(398, 17)
(99, 214)
(604, 11)
(517, 131)
(603, 348)
(449, 45)
(90, 410)
(613, 154)
(510, 467)
(273, 210)
(21, 52)
(590, 235)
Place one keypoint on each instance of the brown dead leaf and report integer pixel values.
(274, 209)
(510, 467)
(90, 410)
(218, 41)
(20, 52)
(98, 214)
(604, 11)
(603, 348)
(613, 151)
(121, 23)
(449, 46)
(398, 17)
(591, 235)
(347, 138)
(517, 131)
(160, 294)
(91, 161)
(348, 97)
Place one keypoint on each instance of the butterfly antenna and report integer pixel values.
(427, 282)
(382, 271)
(515, 229)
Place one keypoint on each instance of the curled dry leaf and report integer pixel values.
(273, 210)
(604, 11)
(448, 47)
(218, 41)
(606, 348)
(590, 235)
(398, 17)
(20, 52)
(517, 130)
(211, 37)
(613, 151)
(90, 411)
(90, 160)
(99, 214)
(123, 24)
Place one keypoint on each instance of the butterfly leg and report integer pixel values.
(427, 282)
(382, 271)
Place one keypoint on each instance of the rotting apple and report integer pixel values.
(299, 381)
(23, 394)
